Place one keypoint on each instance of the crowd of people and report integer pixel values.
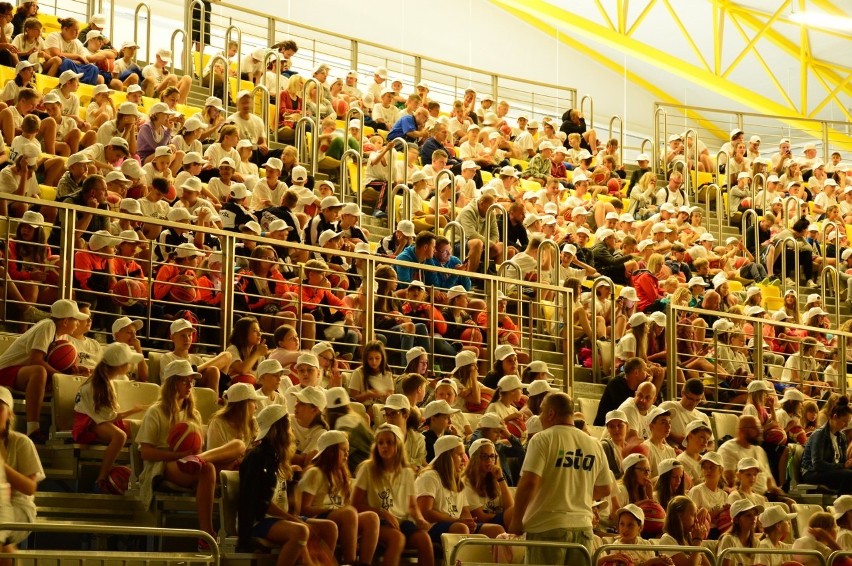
(360, 444)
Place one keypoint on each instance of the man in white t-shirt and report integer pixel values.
(747, 445)
(637, 408)
(564, 472)
(685, 411)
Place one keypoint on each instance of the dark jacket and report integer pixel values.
(819, 452)
(258, 480)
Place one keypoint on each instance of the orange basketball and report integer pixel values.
(172, 194)
(183, 294)
(655, 516)
(119, 479)
(724, 521)
(516, 427)
(184, 437)
(798, 434)
(128, 291)
(613, 185)
(775, 436)
(62, 355)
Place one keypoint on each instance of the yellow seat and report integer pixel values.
(770, 291)
(773, 303)
(86, 90)
(6, 74)
(522, 163)
(49, 23)
(529, 185)
(45, 83)
(734, 286)
(46, 192)
(486, 176)
(353, 176)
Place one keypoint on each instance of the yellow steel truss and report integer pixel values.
(614, 30)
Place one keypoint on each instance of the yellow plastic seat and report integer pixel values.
(486, 176)
(45, 83)
(734, 286)
(49, 23)
(773, 303)
(770, 290)
(47, 193)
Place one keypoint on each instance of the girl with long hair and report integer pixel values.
(186, 468)
(373, 381)
(440, 494)
(486, 491)
(342, 417)
(683, 529)
(399, 412)
(710, 494)
(436, 423)
(96, 416)
(247, 349)
(670, 482)
(310, 423)
(385, 484)
(509, 392)
(234, 424)
(741, 534)
(263, 508)
(473, 396)
(324, 492)
(635, 485)
(775, 522)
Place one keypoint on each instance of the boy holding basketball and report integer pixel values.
(25, 366)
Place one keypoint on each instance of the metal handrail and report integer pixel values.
(227, 84)
(264, 107)
(657, 144)
(494, 209)
(756, 224)
(359, 115)
(554, 267)
(642, 144)
(187, 69)
(590, 124)
(301, 136)
(270, 53)
(187, 18)
(147, 8)
(719, 174)
(231, 29)
(456, 227)
(714, 189)
(785, 212)
(355, 156)
(783, 551)
(599, 281)
(754, 184)
(823, 286)
(118, 530)
(315, 130)
(825, 228)
(655, 548)
(392, 161)
(406, 205)
(524, 543)
(690, 186)
(782, 245)
(620, 135)
(452, 177)
(519, 275)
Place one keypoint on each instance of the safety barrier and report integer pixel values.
(690, 356)
(572, 547)
(258, 288)
(212, 557)
(655, 548)
(757, 552)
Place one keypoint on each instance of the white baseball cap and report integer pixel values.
(328, 439)
(439, 407)
(398, 402)
(312, 396)
(123, 322)
(616, 415)
(119, 354)
(774, 514)
(269, 366)
(464, 358)
(180, 368)
(240, 392)
(268, 417)
(446, 443)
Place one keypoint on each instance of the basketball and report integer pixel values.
(798, 434)
(484, 401)
(775, 436)
(119, 479)
(517, 427)
(183, 294)
(723, 521)
(655, 516)
(613, 185)
(128, 291)
(172, 194)
(250, 379)
(62, 355)
(184, 437)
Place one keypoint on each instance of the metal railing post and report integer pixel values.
(720, 180)
(405, 193)
(356, 112)
(392, 162)
(658, 143)
(187, 69)
(369, 282)
(457, 229)
(190, 6)
(232, 29)
(757, 349)
(264, 106)
(495, 208)
(755, 225)
(449, 174)
(823, 285)
(139, 8)
(315, 132)
(620, 135)
(642, 145)
(590, 123)
(785, 274)
(754, 184)
(277, 56)
(599, 281)
(825, 228)
(714, 189)
(228, 287)
(785, 213)
(301, 138)
(691, 184)
(671, 351)
(568, 360)
(344, 176)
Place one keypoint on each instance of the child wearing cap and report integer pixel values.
(741, 534)
(486, 492)
(509, 392)
(821, 535)
(309, 423)
(398, 411)
(225, 146)
(234, 213)
(88, 349)
(350, 418)
(124, 332)
(271, 380)
(318, 299)
(775, 523)
(671, 482)
(436, 423)
(96, 416)
(710, 494)
(630, 520)
(307, 374)
(182, 333)
(746, 478)
(658, 449)
(159, 166)
(233, 427)
(101, 109)
(698, 436)
(386, 485)
(263, 291)
(440, 494)
(93, 270)
(177, 279)
(324, 492)
(188, 140)
(461, 324)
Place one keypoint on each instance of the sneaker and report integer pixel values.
(38, 436)
(379, 214)
(190, 465)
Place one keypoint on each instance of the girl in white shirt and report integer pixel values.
(697, 438)
(234, 426)
(384, 484)
(32, 47)
(682, 529)
(509, 392)
(709, 494)
(188, 140)
(821, 535)
(96, 416)
(440, 495)
(324, 492)
(310, 424)
(746, 478)
(486, 492)
(741, 534)
(101, 109)
(630, 520)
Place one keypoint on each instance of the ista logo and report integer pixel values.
(576, 460)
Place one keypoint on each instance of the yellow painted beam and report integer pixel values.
(718, 37)
(539, 13)
(752, 41)
(641, 17)
(604, 14)
(832, 95)
(685, 33)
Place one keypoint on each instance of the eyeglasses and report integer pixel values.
(490, 457)
(643, 470)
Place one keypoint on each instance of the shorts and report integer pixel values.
(261, 528)
(9, 375)
(442, 527)
(554, 556)
(407, 528)
(83, 429)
